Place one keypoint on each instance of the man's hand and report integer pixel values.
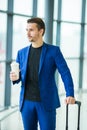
(70, 100)
(13, 76)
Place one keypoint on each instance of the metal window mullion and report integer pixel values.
(34, 8)
(58, 34)
(82, 43)
(49, 9)
(7, 97)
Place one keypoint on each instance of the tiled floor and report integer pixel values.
(13, 122)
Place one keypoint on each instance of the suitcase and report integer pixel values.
(78, 122)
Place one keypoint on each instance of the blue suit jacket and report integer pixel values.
(50, 60)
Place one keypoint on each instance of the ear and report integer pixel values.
(41, 32)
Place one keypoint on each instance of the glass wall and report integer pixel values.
(23, 7)
(70, 40)
(71, 10)
(3, 24)
(3, 4)
(85, 54)
(40, 10)
(86, 12)
(85, 61)
(67, 26)
(19, 34)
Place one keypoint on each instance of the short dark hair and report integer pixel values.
(40, 23)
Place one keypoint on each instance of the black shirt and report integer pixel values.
(32, 91)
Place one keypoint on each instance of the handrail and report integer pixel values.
(6, 116)
(5, 108)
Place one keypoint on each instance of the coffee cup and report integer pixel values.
(15, 68)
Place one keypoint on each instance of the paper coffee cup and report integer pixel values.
(15, 68)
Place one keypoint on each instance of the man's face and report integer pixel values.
(33, 33)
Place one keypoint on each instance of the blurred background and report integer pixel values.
(66, 26)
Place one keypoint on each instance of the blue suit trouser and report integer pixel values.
(34, 112)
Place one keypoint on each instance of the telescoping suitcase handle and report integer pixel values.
(79, 104)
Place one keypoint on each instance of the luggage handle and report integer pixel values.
(79, 104)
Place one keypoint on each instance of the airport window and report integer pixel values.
(86, 13)
(55, 9)
(2, 56)
(2, 83)
(85, 74)
(85, 61)
(19, 34)
(70, 38)
(85, 45)
(41, 8)
(3, 4)
(54, 32)
(23, 6)
(71, 10)
(3, 25)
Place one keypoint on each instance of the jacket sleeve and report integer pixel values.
(64, 71)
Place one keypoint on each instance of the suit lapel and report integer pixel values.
(26, 61)
(43, 53)
(26, 56)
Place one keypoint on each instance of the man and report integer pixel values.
(39, 95)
